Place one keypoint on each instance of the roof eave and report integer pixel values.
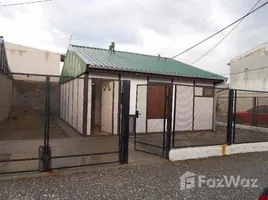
(215, 80)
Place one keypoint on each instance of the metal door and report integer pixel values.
(152, 111)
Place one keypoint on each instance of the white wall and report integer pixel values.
(251, 80)
(134, 81)
(97, 101)
(72, 103)
(109, 106)
(24, 59)
(203, 116)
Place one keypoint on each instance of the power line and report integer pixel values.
(23, 3)
(264, 4)
(225, 35)
(195, 26)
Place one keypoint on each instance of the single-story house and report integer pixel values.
(90, 99)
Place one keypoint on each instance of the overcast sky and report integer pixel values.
(144, 26)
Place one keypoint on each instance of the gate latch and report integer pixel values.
(137, 114)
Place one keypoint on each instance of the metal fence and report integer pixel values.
(250, 116)
(53, 123)
(153, 107)
(22, 129)
(195, 112)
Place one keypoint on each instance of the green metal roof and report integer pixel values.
(134, 62)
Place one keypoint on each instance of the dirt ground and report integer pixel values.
(203, 138)
(26, 124)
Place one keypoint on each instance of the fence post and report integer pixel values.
(85, 104)
(169, 121)
(230, 117)
(45, 151)
(254, 114)
(234, 116)
(125, 122)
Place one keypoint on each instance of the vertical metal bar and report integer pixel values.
(214, 114)
(85, 104)
(119, 110)
(230, 117)
(234, 115)
(146, 114)
(125, 119)
(113, 107)
(48, 109)
(174, 116)
(254, 114)
(169, 121)
(46, 113)
(164, 122)
(137, 115)
(193, 106)
(257, 110)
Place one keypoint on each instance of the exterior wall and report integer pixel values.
(5, 96)
(24, 59)
(188, 108)
(72, 97)
(98, 102)
(109, 108)
(204, 109)
(253, 79)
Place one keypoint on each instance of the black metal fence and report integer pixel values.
(250, 116)
(49, 124)
(153, 117)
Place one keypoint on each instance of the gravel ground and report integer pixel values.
(157, 181)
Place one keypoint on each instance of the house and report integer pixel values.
(5, 83)
(95, 86)
(28, 60)
(249, 70)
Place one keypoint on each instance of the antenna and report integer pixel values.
(71, 37)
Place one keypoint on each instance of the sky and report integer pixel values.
(142, 26)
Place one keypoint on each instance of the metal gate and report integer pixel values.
(153, 118)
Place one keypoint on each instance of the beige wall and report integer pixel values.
(5, 96)
(24, 59)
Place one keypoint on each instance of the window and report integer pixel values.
(156, 95)
(208, 92)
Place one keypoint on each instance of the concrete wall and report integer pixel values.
(24, 59)
(5, 96)
(243, 66)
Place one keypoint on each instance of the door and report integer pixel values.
(151, 119)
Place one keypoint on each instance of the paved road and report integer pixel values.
(158, 181)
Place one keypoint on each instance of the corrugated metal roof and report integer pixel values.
(126, 61)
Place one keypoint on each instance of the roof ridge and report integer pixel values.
(127, 52)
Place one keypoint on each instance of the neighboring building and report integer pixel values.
(249, 71)
(5, 83)
(28, 60)
(193, 88)
(245, 101)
